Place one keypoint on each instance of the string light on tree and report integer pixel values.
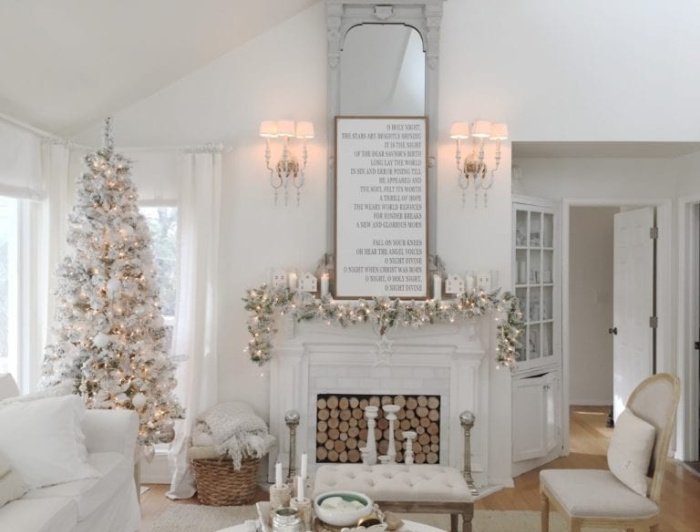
(109, 330)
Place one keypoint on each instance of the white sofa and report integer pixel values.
(108, 503)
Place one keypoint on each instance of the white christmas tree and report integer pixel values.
(109, 330)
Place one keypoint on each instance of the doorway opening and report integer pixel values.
(610, 323)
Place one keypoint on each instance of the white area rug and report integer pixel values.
(197, 518)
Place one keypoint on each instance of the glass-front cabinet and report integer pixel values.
(537, 281)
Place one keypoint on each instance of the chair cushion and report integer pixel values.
(395, 482)
(630, 449)
(89, 494)
(46, 515)
(595, 493)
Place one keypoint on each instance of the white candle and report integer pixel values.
(324, 284)
(278, 474)
(470, 281)
(304, 464)
(292, 280)
(300, 489)
(437, 287)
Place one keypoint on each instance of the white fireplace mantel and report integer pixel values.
(449, 360)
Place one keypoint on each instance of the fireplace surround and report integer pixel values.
(450, 361)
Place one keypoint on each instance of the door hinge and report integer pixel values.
(653, 322)
(653, 233)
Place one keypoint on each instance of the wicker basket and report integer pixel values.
(219, 484)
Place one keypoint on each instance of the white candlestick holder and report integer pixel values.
(390, 413)
(369, 452)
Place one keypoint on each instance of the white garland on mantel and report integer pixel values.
(265, 303)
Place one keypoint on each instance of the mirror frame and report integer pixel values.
(425, 16)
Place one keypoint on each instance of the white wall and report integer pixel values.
(591, 305)
(688, 181)
(576, 70)
(601, 178)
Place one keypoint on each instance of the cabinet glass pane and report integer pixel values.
(547, 303)
(547, 276)
(547, 338)
(548, 230)
(535, 229)
(521, 228)
(534, 305)
(521, 294)
(535, 273)
(521, 266)
(533, 342)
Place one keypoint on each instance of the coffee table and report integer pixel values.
(408, 526)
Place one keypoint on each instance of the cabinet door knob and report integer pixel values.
(612, 330)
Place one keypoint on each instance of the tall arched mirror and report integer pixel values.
(382, 71)
(383, 62)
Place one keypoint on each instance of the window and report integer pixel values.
(162, 221)
(9, 286)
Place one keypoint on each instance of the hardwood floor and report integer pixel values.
(680, 502)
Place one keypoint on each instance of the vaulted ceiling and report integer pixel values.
(66, 63)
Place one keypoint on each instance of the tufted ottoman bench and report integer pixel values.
(404, 488)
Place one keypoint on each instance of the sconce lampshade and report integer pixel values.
(459, 130)
(268, 129)
(481, 129)
(499, 131)
(285, 128)
(305, 130)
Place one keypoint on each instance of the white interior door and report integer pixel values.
(633, 302)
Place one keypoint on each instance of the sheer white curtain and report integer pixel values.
(34, 170)
(194, 337)
(56, 168)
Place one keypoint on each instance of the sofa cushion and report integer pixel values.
(630, 449)
(595, 493)
(11, 486)
(47, 515)
(54, 391)
(43, 440)
(89, 494)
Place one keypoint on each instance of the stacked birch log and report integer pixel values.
(341, 428)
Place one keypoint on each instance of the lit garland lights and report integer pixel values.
(109, 330)
(265, 304)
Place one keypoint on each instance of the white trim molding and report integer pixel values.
(688, 366)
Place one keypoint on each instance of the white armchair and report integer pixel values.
(598, 498)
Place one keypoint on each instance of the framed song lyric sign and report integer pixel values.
(381, 207)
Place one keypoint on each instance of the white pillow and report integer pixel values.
(11, 486)
(630, 450)
(43, 441)
(65, 388)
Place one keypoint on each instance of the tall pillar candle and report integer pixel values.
(293, 280)
(437, 287)
(304, 466)
(278, 474)
(324, 284)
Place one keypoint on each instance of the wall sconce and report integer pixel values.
(475, 168)
(289, 169)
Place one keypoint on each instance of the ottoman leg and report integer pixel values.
(454, 526)
(467, 519)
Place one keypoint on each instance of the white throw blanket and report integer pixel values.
(234, 429)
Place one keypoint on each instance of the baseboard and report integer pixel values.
(518, 468)
(157, 471)
(591, 402)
